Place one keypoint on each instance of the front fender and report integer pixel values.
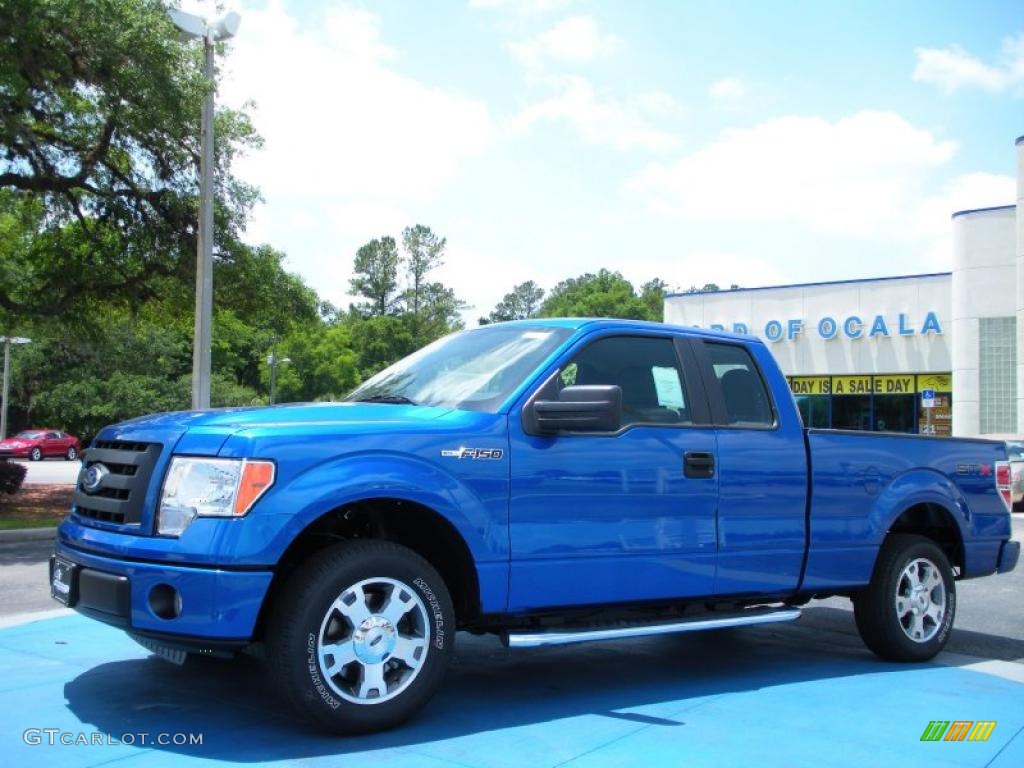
(378, 474)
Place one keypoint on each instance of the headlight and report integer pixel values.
(197, 487)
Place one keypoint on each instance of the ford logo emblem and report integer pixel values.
(92, 477)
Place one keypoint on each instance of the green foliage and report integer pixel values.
(606, 294)
(380, 341)
(99, 127)
(376, 275)
(321, 365)
(652, 293)
(11, 476)
(521, 303)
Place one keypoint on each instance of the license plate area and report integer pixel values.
(64, 581)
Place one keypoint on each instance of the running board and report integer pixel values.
(721, 621)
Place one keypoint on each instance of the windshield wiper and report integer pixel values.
(386, 398)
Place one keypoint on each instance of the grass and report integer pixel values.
(35, 506)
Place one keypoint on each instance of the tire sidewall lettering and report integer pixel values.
(313, 666)
(435, 611)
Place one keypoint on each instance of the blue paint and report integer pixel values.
(794, 328)
(773, 330)
(853, 327)
(905, 329)
(931, 324)
(969, 211)
(878, 327)
(827, 328)
(741, 328)
(704, 701)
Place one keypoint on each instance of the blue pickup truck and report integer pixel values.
(549, 481)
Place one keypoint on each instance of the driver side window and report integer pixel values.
(645, 368)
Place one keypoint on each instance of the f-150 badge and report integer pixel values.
(472, 453)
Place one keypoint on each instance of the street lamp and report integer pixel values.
(273, 361)
(194, 27)
(8, 340)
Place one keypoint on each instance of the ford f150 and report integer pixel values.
(549, 481)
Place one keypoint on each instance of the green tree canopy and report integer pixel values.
(521, 303)
(376, 275)
(606, 294)
(99, 128)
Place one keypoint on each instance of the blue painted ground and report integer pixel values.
(769, 696)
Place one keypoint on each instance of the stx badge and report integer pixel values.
(472, 453)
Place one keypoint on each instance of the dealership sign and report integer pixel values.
(851, 326)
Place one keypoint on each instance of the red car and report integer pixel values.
(37, 444)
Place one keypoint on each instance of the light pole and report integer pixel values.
(273, 361)
(194, 27)
(8, 340)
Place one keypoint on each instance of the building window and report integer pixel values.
(997, 374)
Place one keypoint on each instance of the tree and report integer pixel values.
(424, 251)
(606, 294)
(99, 128)
(322, 365)
(523, 302)
(380, 341)
(376, 275)
(652, 293)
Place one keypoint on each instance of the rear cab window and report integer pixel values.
(744, 401)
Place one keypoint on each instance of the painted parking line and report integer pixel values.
(750, 696)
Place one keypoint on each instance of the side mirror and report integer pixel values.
(593, 408)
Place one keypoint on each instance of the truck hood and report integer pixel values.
(232, 419)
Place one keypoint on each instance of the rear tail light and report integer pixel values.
(1003, 481)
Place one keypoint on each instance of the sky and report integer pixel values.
(754, 143)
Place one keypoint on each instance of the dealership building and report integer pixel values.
(938, 354)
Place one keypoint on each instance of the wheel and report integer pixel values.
(360, 635)
(72, 454)
(906, 612)
(36, 454)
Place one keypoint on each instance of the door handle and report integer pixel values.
(698, 464)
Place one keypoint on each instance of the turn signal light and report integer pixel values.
(257, 476)
(1003, 482)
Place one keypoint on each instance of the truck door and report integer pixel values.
(617, 516)
(762, 470)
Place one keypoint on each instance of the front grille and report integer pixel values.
(121, 497)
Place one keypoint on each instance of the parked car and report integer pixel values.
(1015, 452)
(548, 481)
(38, 444)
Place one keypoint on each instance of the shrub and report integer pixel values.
(11, 476)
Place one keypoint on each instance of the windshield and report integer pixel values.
(1015, 451)
(475, 370)
(30, 435)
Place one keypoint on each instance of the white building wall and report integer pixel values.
(984, 284)
(1020, 284)
(809, 353)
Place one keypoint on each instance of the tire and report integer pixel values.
(319, 607)
(36, 454)
(72, 454)
(897, 621)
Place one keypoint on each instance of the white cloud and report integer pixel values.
(336, 118)
(859, 176)
(352, 143)
(727, 89)
(600, 120)
(522, 6)
(575, 39)
(953, 68)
